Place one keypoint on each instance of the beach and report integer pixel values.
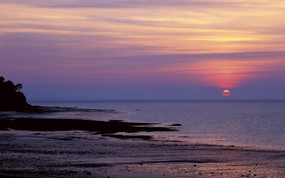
(142, 89)
(78, 153)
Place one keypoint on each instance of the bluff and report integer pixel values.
(11, 98)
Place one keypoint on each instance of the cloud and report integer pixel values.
(201, 28)
(123, 3)
(144, 41)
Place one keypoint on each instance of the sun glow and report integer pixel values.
(226, 93)
(224, 73)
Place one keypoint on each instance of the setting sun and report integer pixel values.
(173, 88)
(226, 93)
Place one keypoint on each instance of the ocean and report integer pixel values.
(249, 123)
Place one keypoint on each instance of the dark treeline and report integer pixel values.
(11, 97)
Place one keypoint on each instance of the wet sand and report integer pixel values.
(29, 150)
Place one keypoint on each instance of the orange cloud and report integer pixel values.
(216, 26)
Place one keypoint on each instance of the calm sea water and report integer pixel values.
(240, 123)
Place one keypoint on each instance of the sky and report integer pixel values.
(143, 49)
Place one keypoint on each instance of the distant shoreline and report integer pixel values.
(111, 100)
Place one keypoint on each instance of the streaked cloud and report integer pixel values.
(123, 3)
(143, 3)
(223, 43)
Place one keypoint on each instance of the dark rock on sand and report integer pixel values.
(100, 127)
(176, 125)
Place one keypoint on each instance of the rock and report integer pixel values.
(87, 173)
(176, 125)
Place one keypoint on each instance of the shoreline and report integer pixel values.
(110, 128)
(117, 129)
(53, 111)
(73, 154)
(35, 147)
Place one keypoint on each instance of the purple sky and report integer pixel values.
(121, 49)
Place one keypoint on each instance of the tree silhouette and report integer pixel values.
(2, 79)
(19, 87)
(11, 98)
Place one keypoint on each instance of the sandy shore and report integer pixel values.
(81, 154)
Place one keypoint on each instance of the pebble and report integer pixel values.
(87, 173)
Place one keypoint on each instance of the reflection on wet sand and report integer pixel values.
(83, 154)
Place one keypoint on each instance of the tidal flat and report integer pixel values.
(88, 154)
(58, 147)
